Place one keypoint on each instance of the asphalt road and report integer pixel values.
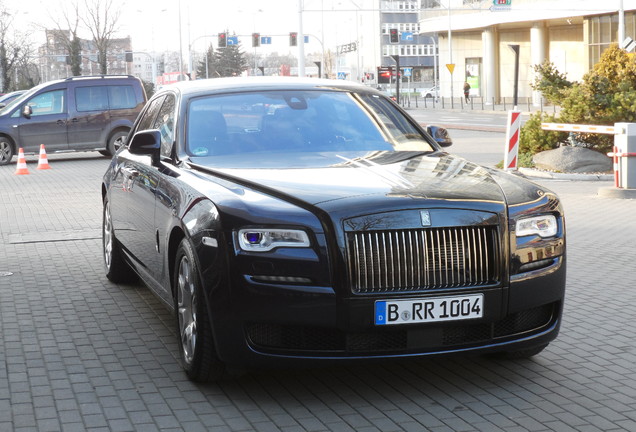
(78, 352)
(463, 120)
(484, 148)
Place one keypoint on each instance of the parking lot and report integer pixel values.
(78, 352)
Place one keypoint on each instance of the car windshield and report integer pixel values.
(14, 102)
(298, 121)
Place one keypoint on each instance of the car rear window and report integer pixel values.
(101, 98)
(298, 121)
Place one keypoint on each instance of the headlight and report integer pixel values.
(265, 239)
(543, 226)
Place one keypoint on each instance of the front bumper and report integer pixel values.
(267, 324)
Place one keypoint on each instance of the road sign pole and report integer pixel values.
(397, 76)
(451, 69)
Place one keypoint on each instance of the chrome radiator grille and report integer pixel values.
(422, 259)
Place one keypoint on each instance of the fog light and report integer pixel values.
(282, 279)
(536, 265)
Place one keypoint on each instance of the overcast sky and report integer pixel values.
(154, 24)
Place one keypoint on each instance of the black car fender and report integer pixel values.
(202, 227)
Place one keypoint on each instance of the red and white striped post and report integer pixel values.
(512, 140)
(617, 177)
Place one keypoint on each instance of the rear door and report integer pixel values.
(89, 117)
(47, 124)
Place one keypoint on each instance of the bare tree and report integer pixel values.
(67, 33)
(14, 48)
(101, 18)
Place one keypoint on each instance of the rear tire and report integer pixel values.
(196, 343)
(117, 140)
(6, 150)
(117, 269)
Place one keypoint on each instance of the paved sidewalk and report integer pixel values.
(78, 352)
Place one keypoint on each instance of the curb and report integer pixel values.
(533, 173)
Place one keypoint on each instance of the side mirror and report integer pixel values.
(146, 142)
(440, 135)
(27, 111)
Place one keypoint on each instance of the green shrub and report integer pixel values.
(533, 139)
(607, 95)
(550, 82)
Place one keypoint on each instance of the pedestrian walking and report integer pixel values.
(467, 91)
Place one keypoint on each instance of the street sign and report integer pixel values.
(342, 75)
(407, 72)
(450, 67)
(232, 40)
(266, 40)
(306, 38)
(407, 36)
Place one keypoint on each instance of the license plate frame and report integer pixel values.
(429, 309)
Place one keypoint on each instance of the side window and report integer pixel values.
(165, 123)
(48, 103)
(121, 97)
(94, 98)
(149, 115)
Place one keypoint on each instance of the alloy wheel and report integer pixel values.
(186, 309)
(108, 237)
(6, 152)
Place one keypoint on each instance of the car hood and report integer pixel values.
(370, 180)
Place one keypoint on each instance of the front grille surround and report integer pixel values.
(413, 260)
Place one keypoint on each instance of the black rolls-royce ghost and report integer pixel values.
(306, 220)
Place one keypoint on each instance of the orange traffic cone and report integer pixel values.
(43, 162)
(21, 168)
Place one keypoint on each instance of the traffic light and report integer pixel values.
(129, 56)
(256, 39)
(394, 35)
(222, 42)
(293, 39)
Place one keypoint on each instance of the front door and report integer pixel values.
(47, 124)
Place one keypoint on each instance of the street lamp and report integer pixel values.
(190, 53)
(450, 52)
(153, 55)
(435, 71)
(301, 41)
(180, 45)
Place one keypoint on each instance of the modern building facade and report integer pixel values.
(476, 40)
(367, 50)
(401, 35)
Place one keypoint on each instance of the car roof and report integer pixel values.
(211, 85)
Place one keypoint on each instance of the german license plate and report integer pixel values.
(424, 310)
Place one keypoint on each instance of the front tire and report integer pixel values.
(6, 150)
(117, 269)
(196, 344)
(116, 140)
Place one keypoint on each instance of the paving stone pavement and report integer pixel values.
(78, 352)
